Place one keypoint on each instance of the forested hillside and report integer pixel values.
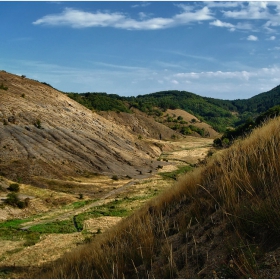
(220, 114)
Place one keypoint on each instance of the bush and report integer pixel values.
(14, 187)
(38, 124)
(186, 130)
(3, 87)
(13, 200)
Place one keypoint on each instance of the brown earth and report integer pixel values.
(43, 133)
(140, 124)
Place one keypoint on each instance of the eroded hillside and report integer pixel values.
(43, 133)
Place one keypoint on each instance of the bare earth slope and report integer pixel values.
(43, 133)
(140, 124)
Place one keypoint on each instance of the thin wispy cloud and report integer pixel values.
(123, 67)
(141, 5)
(222, 4)
(262, 73)
(230, 26)
(198, 57)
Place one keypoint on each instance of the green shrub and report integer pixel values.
(37, 123)
(115, 177)
(186, 130)
(14, 187)
(3, 87)
(12, 199)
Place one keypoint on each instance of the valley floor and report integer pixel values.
(75, 211)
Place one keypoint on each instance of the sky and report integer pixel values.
(225, 50)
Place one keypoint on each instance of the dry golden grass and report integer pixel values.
(238, 187)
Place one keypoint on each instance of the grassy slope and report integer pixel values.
(218, 221)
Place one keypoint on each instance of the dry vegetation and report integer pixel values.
(220, 221)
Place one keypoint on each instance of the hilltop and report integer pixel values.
(219, 114)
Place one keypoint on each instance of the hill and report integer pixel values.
(45, 134)
(220, 114)
(220, 221)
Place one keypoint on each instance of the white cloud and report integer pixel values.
(232, 27)
(80, 19)
(141, 5)
(123, 67)
(268, 73)
(219, 23)
(257, 10)
(271, 38)
(142, 15)
(217, 74)
(252, 38)
(252, 10)
(175, 82)
(222, 4)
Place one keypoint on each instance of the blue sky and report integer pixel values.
(224, 50)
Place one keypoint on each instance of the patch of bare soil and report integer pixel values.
(100, 224)
(140, 124)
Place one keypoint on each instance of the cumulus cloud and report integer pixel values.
(252, 38)
(80, 19)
